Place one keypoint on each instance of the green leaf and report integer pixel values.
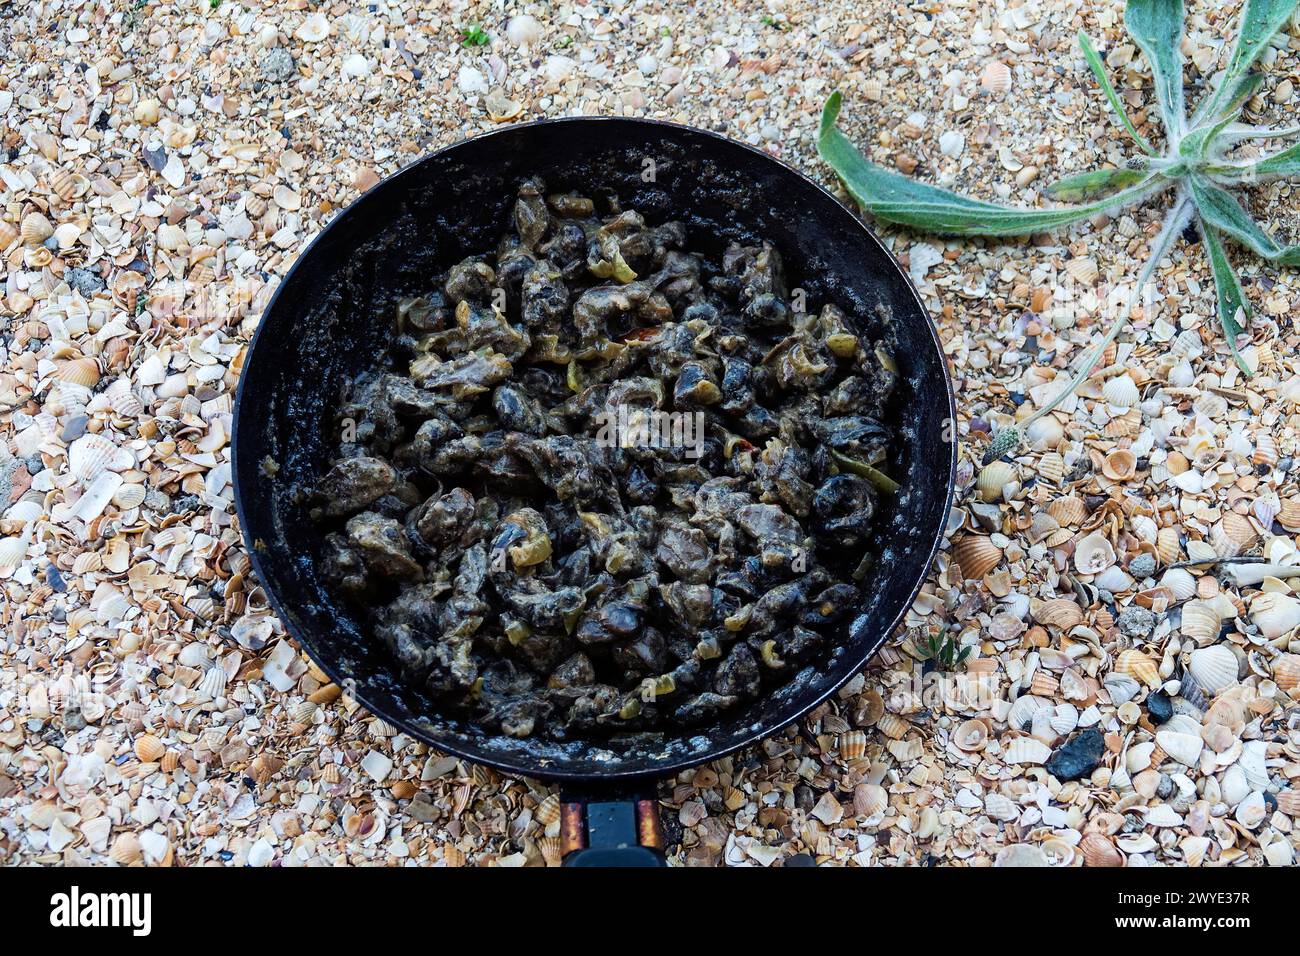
(1157, 27)
(1260, 20)
(1232, 301)
(1244, 87)
(1284, 163)
(1219, 209)
(1094, 184)
(895, 198)
(1099, 71)
(1196, 144)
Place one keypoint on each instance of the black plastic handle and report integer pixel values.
(611, 831)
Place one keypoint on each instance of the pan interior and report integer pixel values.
(330, 316)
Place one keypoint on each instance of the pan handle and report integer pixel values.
(608, 830)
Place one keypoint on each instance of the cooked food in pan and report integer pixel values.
(604, 484)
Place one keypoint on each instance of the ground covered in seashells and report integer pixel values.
(162, 166)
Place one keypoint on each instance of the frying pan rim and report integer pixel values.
(512, 764)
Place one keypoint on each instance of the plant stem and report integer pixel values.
(1175, 222)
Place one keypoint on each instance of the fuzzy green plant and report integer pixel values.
(1198, 165)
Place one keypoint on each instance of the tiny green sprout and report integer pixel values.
(1200, 164)
(213, 4)
(946, 653)
(475, 35)
(773, 22)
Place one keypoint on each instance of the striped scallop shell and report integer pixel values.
(36, 229)
(79, 371)
(1121, 392)
(1213, 667)
(129, 496)
(893, 726)
(8, 234)
(1098, 850)
(1023, 709)
(1027, 750)
(1051, 468)
(1201, 622)
(90, 456)
(1070, 510)
(1083, 269)
(12, 551)
(870, 799)
(853, 745)
(123, 399)
(1167, 545)
(996, 77)
(1145, 528)
(1286, 671)
(1265, 449)
(1180, 583)
(1061, 613)
(977, 555)
(1139, 666)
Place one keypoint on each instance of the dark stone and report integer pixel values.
(1159, 707)
(1078, 756)
(799, 859)
(84, 281)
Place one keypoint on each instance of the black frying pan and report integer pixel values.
(328, 319)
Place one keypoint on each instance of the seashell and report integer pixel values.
(1065, 718)
(1185, 748)
(1070, 510)
(8, 234)
(1062, 613)
(1275, 614)
(1213, 667)
(79, 371)
(1201, 622)
(548, 811)
(304, 712)
(1252, 811)
(996, 77)
(36, 229)
(313, 29)
(1167, 545)
(1181, 584)
(552, 850)
(869, 799)
(1265, 449)
(1098, 850)
(1083, 269)
(1286, 672)
(38, 257)
(214, 679)
(123, 399)
(1121, 391)
(1252, 763)
(1288, 514)
(1045, 433)
(68, 185)
(1093, 554)
(853, 745)
(1051, 468)
(12, 551)
(1210, 405)
(1234, 787)
(1138, 666)
(971, 736)
(977, 555)
(170, 761)
(1027, 750)
(893, 726)
(90, 456)
(992, 478)
(1023, 710)
(1288, 801)
(126, 849)
(1119, 465)
(1001, 807)
(149, 748)
(129, 496)
(1145, 528)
